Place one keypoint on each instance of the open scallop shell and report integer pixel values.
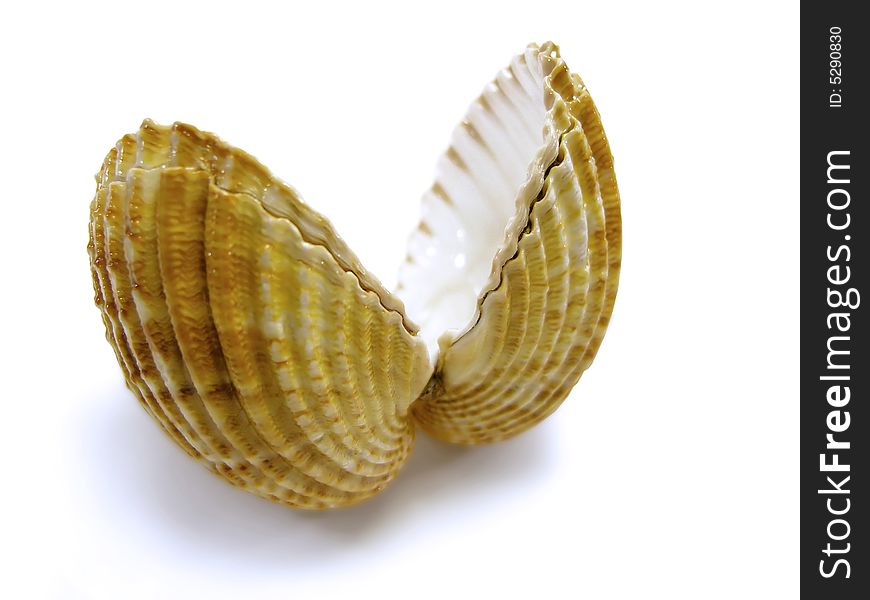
(249, 330)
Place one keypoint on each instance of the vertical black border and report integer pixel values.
(825, 129)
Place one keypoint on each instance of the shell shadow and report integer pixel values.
(138, 477)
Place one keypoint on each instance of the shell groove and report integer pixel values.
(245, 326)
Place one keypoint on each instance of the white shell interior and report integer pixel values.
(477, 193)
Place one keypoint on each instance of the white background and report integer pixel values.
(670, 472)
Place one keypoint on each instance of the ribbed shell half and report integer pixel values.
(249, 330)
(541, 313)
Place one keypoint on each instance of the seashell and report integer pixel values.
(537, 311)
(253, 335)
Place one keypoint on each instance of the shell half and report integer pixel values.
(245, 326)
(253, 335)
(529, 180)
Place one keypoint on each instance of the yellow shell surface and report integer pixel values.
(252, 334)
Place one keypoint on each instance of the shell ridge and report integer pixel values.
(95, 259)
(328, 405)
(291, 384)
(517, 291)
(461, 397)
(500, 281)
(233, 279)
(107, 307)
(181, 254)
(524, 408)
(150, 301)
(226, 281)
(128, 317)
(459, 408)
(358, 290)
(359, 331)
(569, 362)
(368, 431)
